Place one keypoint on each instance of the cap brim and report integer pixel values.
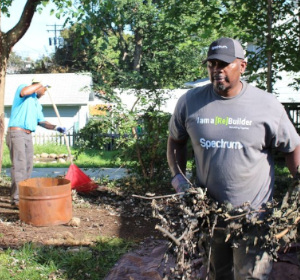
(225, 58)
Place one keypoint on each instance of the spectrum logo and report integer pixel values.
(219, 47)
(220, 144)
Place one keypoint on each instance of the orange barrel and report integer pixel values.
(45, 201)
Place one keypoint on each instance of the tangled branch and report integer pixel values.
(190, 219)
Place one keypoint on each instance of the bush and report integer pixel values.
(97, 134)
(146, 150)
(141, 142)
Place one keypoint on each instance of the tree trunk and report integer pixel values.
(138, 50)
(269, 47)
(7, 41)
(3, 65)
(2, 134)
(299, 28)
(137, 67)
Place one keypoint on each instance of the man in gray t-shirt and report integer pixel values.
(233, 128)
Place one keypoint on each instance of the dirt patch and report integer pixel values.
(101, 213)
(109, 213)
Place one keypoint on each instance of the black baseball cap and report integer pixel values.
(225, 49)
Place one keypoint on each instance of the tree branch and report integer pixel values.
(285, 231)
(18, 31)
(158, 197)
(168, 234)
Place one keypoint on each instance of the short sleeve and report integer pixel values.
(177, 125)
(287, 138)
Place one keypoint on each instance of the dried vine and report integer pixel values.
(190, 219)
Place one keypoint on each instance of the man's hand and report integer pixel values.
(180, 184)
(60, 129)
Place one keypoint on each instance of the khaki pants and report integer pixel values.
(240, 263)
(21, 154)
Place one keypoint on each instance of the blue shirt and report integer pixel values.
(26, 111)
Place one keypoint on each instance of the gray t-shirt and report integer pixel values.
(232, 140)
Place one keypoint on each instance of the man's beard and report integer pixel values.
(220, 87)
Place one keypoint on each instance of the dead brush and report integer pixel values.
(189, 219)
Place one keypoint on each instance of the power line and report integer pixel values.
(56, 40)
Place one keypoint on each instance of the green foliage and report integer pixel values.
(92, 158)
(274, 30)
(4, 7)
(38, 263)
(15, 61)
(140, 141)
(50, 148)
(142, 44)
(145, 148)
(97, 134)
(86, 158)
(150, 45)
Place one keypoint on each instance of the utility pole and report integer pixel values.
(56, 39)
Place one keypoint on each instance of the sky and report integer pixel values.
(35, 42)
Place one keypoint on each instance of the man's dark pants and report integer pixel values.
(228, 263)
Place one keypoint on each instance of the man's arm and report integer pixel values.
(177, 155)
(38, 88)
(50, 126)
(47, 125)
(177, 158)
(293, 160)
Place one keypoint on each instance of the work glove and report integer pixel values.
(60, 129)
(180, 184)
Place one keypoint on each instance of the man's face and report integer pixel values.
(224, 76)
(41, 91)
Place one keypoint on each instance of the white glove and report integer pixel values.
(180, 184)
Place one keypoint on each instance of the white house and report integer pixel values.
(70, 92)
(73, 95)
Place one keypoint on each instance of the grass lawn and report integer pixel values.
(86, 159)
(49, 262)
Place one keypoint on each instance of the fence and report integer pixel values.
(59, 139)
(293, 111)
(56, 138)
